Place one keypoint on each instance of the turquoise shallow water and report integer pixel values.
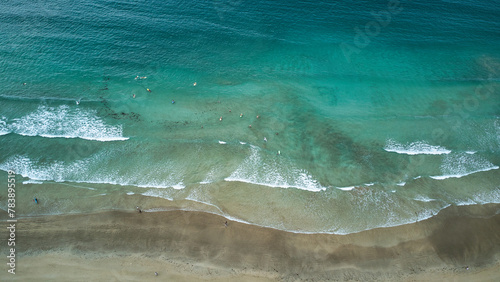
(388, 131)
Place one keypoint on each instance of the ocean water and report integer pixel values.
(307, 116)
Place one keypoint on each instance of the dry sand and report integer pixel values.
(191, 246)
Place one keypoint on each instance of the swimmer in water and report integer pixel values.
(149, 90)
(133, 96)
(173, 102)
(265, 139)
(220, 119)
(241, 115)
(194, 84)
(78, 102)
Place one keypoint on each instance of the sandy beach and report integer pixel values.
(190, 246)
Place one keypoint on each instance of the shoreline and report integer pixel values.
(189, 245)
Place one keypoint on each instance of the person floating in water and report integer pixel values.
(173, 102)
(133, 96)
(77, 102)
(35, 200)
(220, 119)
(241, 115)
(194, 84)
(149, 90)
(265, 139)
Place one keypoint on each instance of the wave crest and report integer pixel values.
(415, 148)
(65, 122)
(456, 166)
(272, 173)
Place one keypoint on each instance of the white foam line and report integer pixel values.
(466, 203)
(408, 152)
(106, 139)
(77, 186)
(68, 183)
(424, 199)
(120, 184)
(205, 203)
(442, 177)
(349, 188)
(415, 148)
(32, 181)
(102, 139)
(177, 186)
(274, 186)
(346, 188)
(150, 193)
